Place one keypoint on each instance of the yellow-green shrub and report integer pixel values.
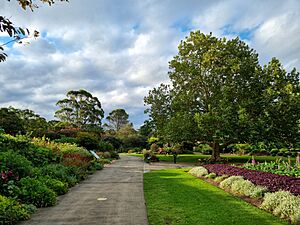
(198, 171)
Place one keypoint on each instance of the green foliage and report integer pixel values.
(80, 108)
(64, 139)
(228, 182)
(221, 178)
(10, 121)
(105, 146)
(283, 204)
(19, 165)
(11, 211)
(277, 167)
(147, 129)
(34, 192)
(114, 141)
(198, 171)
(152, 140)
(205, 149)
(247, 188)
(57, 186)
(88, 142)
(219, 85)
(69, 175)
(117, 119)
(211, 175)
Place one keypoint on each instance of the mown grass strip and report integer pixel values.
(195, 158)
(175, 197)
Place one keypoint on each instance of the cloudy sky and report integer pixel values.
(119, 49)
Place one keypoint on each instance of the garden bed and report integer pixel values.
(272, 181)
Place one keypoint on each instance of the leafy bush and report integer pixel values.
(272, 200)
(105, 146)
(203, 149)
(198, 171)
(211, 175)
(247, 188)
(271, 181)
(57, 186)
(11, 211)
(96, 165)
(17, 164)
(115, 142)
(69, 175)
(221, 178)
(240, 148)
(227, 183)
(34, 192)
(10, 189)
(278, 167)
(76, 159)
(64, 139)
(114, 155)
(283, 204)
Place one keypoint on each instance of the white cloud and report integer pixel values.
(119, 49)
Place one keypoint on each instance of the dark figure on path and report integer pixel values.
(174, 156)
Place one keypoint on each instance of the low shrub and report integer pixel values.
(96, 165)
(105, 146)
(198, 171)
(70, 175)
(34, 192)
(247, 188)
(114, 155)
(271, 181)
(17, 164)
(221, 178)
(104, 161)
(70, 140)
(88, 141)
(228, 182)
(272, 200)
(211, 175)
(11, 211)
(57, 186)
(283, 204)
(106, 155)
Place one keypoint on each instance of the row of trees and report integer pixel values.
(80, 109)
(220, 94)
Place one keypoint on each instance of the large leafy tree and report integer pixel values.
(22, 121)
(160, 111)
(18, 33)
(117, 119)
(10, 121)
(220, 84)
(80, 108)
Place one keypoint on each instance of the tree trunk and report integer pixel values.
(215, 156)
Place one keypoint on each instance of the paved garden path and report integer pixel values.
(120, 183)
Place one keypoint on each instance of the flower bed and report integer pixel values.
(273, 182)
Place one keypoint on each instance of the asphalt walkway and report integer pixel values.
(112, 196)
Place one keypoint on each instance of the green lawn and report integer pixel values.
(175, 197)
(194, 158)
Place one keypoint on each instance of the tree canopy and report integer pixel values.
(80, 108)
(220, 94)
(117, 119)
